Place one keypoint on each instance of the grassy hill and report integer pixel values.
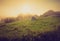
(34, 30)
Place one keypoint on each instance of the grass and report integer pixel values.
(25, 27)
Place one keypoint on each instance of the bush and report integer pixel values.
(8, 20)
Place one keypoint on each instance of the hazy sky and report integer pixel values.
(15, 7)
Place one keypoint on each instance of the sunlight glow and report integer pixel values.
(26, 9)
(12, 8)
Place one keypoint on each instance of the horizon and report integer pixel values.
(28, 14)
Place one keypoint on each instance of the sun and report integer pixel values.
(26, 9)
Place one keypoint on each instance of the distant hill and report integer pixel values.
(51, 13)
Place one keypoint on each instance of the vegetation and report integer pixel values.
(37, 29)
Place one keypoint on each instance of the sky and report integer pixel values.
(12, 8)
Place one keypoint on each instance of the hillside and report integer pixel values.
(48, 24)
(52, 13)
